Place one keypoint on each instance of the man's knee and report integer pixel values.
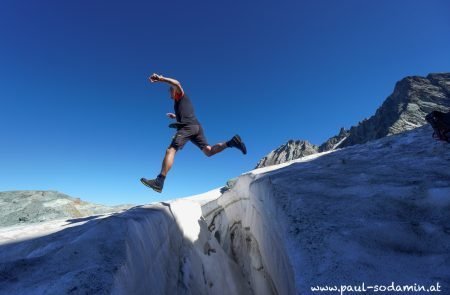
(207, 151)
(171, 150)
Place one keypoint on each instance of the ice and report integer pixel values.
(375, 213)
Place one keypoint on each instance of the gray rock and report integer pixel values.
(229, 185)
(24, 207)
(287, 152)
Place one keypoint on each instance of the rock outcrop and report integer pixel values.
(288, 152)
(24, 207)
(335, 141)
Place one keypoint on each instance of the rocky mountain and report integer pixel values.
(288, 151)
(405, 109)
(23, 207)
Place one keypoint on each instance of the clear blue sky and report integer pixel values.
(78, 115)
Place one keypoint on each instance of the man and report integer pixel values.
(188, 128)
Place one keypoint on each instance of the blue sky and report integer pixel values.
(78, 115)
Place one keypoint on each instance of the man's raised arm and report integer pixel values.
(159, 78)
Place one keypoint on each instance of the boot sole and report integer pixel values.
(153, 188)
(244, 148)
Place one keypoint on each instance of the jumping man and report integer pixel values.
(188, 128)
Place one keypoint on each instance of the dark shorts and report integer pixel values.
(193, 133)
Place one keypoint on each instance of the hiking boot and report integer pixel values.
(156, 184)
(237, 142)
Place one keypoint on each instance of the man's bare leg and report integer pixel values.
(218, 147)
(158, 183)
(168, 161)
(215, 149)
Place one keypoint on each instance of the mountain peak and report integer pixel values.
(412, 99)
(293, 149)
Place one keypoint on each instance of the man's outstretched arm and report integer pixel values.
(160, 78)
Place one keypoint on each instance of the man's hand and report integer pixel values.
(155, 78)
(171, 115)
(172, 82)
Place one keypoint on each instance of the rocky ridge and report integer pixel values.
(405, 109)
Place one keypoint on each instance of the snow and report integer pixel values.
(186, 212)
(339, 143)
(375, 213)
(439, 196)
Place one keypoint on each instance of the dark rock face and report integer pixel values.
(335, 141)
(405, 109)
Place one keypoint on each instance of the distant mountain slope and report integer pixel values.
(20, 207)
(405, 109)
(287, 152)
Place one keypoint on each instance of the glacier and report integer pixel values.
(373, 213)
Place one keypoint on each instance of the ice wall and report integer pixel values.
(373, 213)
(248, 226)
(217, 244)
(157, 249)
(176, 255)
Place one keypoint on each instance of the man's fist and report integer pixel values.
(155, 78)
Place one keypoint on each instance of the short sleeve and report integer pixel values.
(178, 96)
